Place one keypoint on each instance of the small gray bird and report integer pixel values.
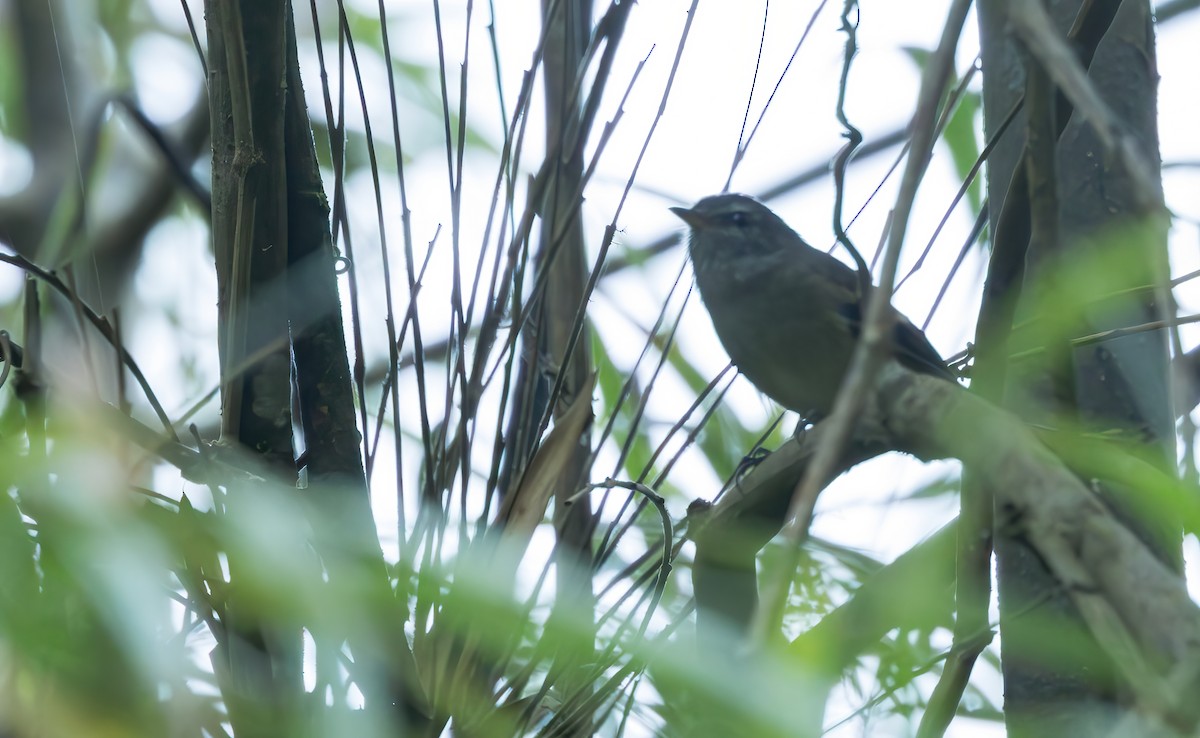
(788, 315)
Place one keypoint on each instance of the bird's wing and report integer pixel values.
(909, 344)
(915, 351)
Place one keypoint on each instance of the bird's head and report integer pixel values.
(728, 227)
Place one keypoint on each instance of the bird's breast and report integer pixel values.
(790, 347)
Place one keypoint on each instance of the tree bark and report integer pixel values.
(1056, 680)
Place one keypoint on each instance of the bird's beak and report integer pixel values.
(689, 216)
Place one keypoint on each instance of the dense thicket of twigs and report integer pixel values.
(314, 419)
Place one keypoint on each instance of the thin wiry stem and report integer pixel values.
(614, 413)
(853, 138)
(611, 228)
(743, 147)
(965, 187)
(762, 42)
(381, 227)
(340, 221)
(102, 325)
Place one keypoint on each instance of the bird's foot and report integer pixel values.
(749, 461)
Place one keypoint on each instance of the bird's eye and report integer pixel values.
(739, 219)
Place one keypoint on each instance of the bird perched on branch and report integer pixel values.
(788, 315)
